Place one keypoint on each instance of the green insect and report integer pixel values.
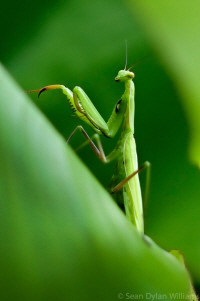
(125, 181)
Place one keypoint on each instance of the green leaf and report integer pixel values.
(178, 255)
(62, 235)
(173, 28)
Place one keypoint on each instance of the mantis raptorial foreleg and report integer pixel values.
(82, 106)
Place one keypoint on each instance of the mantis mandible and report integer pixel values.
(125, 181)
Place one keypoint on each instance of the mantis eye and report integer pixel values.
(131, 75)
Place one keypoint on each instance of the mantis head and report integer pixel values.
(124, 75)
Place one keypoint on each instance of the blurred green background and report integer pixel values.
(82, 43)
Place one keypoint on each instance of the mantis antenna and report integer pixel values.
(126, 55)
(138, 61)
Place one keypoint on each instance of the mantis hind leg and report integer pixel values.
(146, 165)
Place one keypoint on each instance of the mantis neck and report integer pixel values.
(129, 96)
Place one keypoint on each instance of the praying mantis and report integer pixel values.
(125, 181)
